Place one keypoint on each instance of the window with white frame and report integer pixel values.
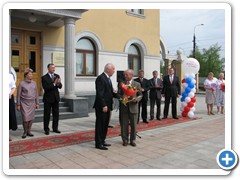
(139, 13)
(134, 59)
(85, 58)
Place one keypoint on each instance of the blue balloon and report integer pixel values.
(191, 85)
(184, 94)
(188, 90)
(182, 99)
(188, 80)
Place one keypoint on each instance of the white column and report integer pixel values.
(69, 49)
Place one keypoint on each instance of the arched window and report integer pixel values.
(134, 59)
(85, 58)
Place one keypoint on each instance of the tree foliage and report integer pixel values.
(210, 61)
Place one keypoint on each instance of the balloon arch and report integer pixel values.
(190, 67)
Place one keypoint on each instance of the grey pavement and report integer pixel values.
(188, 145)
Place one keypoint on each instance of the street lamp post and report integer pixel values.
(194, 39)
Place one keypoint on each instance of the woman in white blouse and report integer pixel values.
(210, 86)
(12, 112)
(220, 93)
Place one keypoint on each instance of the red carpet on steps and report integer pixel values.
(21, 147)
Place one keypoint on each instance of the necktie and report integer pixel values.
(110, 82)
(52, 76)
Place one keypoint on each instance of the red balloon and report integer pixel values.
(183, 80)
(190, 104)
(186, 109)
(193, 100)
(184, 114)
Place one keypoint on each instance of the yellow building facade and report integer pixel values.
(81, 42)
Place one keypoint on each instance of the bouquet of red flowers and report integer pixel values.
(128, 91)
(222, 87)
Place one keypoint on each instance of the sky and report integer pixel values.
(177, 29)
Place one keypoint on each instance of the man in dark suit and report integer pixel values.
(155, 95)
(51, 82)
(171, 90)
(103, 105)
(143, 103)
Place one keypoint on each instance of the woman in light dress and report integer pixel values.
(220, 93)
(27, 101)
(210, 86)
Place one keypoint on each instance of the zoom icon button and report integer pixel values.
(227, 159)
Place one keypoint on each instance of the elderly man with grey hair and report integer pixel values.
(129, 112)
(103, 105)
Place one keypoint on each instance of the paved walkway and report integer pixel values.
(189, 145)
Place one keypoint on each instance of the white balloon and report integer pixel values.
(183, 104)
(194, 81)
(183, 89)
(193, 109)
(190, 65)
(186, 75)
(181, 108)
(192, 75)
(190, 114)
(193, 90)
(187, 99)
(191, 94)
(184, 85)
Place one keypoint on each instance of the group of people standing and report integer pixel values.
(28, 101)
(169, 87)
(215, 93)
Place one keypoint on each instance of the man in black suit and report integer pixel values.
(51, 82)
(143, 103)
(103, 105)
(171, 90)
(155, 95)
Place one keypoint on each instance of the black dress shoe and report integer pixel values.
(47, 132)
(101, 147)
(159, 119)
(125, 143)
(133, 144)
(110, 126)
(106, 144)
(57, 131)
(145, 122)
(151, 118)
(175, 118)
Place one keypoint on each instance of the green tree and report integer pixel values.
(210, 61)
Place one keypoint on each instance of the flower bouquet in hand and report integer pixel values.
(213, 87)
(222, 85)
(128, 92)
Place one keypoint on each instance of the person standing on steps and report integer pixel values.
(27, 101)
(51, 82)
(12, 114)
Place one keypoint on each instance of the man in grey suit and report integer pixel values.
(155, 95)
(129, 113)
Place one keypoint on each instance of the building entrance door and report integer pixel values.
(26, 53)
